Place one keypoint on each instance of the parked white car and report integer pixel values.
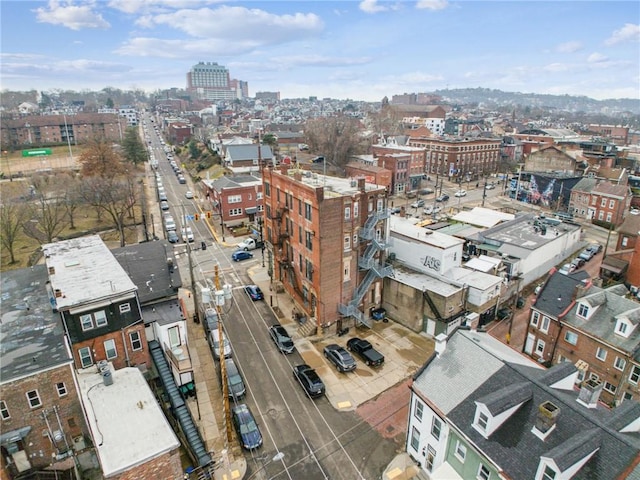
(460, 193)
(187, 234)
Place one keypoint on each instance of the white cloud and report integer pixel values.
(569, 47)
(557, 67)
(71, 16)
(596, 57)
(432, 4)
(371, 6)
(136, 6)
(630, 32)
(319, 61)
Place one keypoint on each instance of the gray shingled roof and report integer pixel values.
(513, 446)
(31, 337)
(557, 294)
(558, 372)
(502, 400)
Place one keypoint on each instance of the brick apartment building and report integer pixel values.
(406, 164)
(326, 237)
(603, 201)
(41, 417)
(100, 312)
(49, 130)
(591, 327)
(454, 157)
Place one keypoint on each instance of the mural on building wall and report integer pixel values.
(546, 191)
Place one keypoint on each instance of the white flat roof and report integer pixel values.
(85, 271)
(473, 278)
(422, 281)
(483, 217)
(127, 423)
(405, 226)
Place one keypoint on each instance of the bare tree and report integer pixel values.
(337, 138)
(48, 213)
(12, 216)
(99, 159)
(73, 198)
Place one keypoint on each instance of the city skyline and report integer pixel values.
(362, 50)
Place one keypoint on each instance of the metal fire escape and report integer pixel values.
(282, 242)
(369, 263)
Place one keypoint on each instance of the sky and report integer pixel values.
(359, 50)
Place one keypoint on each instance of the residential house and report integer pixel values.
(247, 158)
(628, 233)
(178, 133)
(326, 238)
(478, 409)
(591, 327)
(100, 312)
(610, 203)
(41, 416)
(372, 173)
(580, 199)
(237, 199)
(130, 113)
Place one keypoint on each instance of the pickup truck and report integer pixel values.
(250, 244)
(365, 351)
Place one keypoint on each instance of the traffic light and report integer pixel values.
(208, 214)
(196, 217)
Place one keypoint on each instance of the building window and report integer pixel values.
(4, 411)
(609, 387)
(482, 421)
(431, 458)
(571, 337)
(347, 242)
(234, 199)
(535, 317)
(601, 215)
(100, 318)
(34, 399)
(356, 210)
(235, 212)
(461, 451)
(309, 270)
(601, 354)
(267, 189)
(603, 202)
(136, 343)
(87, 322)
(583, 310)
(85, 357)
(347, 213)
(62, 389)
(308, 240)
(418, 410)
(436, 428)
(415, 438)
(548, 473)
(347, 271)
(174, 337)
(634, 376)
(307, 211)
(355, 240)
(612, 203)
(625, 241)
(620, 363)
(540, 347)
(110, 349)
(545, 324)
(609, 217)
(125, 307)
(483, 472)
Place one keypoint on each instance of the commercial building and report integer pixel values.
(326, 239)
(479, 409)
(210, 81)
(236, 199)
(528, 245)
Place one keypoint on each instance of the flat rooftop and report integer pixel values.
(404, 226)
(482, 217)
(522, 233)
(127, 423)
(333, 186)
(31, 333)
(422, 281)
(85, 271)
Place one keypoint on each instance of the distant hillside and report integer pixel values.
(489, 98)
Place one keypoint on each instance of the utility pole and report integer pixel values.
(192, 276)
(223, 365)
(484, 191)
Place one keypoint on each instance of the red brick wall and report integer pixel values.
(164, 467)
(37, 445)
(137, 357)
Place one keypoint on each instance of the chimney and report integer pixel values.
(441, 343)
(403, 213)
(590, 393)
(545, 420)
(297, 175)
(581, 289)
(361, 184)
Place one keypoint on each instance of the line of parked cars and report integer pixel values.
(584, 256)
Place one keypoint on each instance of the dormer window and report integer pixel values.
(548, 473)
(583, 310)
(623, 327)
(481, 421)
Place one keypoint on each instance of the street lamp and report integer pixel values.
(276, 458)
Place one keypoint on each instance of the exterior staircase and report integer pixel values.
(308, 328)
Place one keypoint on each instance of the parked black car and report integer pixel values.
(442, 198)
(309, 379)
(365, 350)
(504, 313)
(281, 338)
(235, 383)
